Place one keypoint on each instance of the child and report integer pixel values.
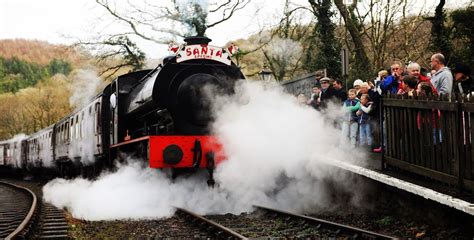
(350, 124)
(408, 86)
(365, 133)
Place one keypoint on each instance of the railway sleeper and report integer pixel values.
(59, 227)
(59, 237)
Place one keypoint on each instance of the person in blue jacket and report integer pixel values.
(391, 83)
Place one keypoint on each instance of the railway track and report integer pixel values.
(47, 222)
(53, 223)
(274, 224)
(18, 211)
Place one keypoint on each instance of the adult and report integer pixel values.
(392, 82)
(414, 69)
(442, 79)
(356, 84)
(382, 74)
(313, 100)
(327, 92)
(340, 93)
(317, 76)
(462, 76)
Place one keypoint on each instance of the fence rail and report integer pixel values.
(431, 137)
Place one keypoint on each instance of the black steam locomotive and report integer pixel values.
(161, 115)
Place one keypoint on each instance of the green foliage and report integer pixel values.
(324, 49)
(463, 36)
(439, 33)
(130, 53)
(59, 66)
(16, 74)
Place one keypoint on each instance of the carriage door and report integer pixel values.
(2, 155)
(113, 113)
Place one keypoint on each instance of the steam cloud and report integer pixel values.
(84, 86)
(276, 148)
(14, 149)
(193, 11)
(85, 83)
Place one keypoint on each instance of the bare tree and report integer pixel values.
(283, 51)
(440, 41)
(156, 21)
(175, 18)
(354, 26)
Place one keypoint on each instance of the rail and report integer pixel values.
(29, 216)
(356, 233)
(221, 231)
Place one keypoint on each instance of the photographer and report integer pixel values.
(392, 82)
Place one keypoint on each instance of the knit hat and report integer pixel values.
(357, 82)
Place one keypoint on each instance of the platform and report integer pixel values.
(373, 171)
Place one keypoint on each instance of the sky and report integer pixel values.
(65, 21)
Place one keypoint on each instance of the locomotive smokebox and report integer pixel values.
(193, 103)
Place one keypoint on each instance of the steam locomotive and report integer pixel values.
(161, 115)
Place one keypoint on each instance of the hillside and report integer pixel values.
(40, 52)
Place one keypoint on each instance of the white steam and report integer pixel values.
(191, 11)
(85, 139)
(276, 148)
(84, 136)
(14, 150)
(284, 50)
(85, 83)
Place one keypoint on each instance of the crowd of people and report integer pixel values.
(361, 124)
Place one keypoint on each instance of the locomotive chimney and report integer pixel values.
(197, 40)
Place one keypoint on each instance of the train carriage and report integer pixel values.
(39, 152)
(3, 153)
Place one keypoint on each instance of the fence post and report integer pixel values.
(460, 148)
(381, 134)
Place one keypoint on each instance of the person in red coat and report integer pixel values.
(414, 69)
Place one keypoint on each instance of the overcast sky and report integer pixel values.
(64, 21)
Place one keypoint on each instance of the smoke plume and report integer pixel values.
(276, 148)
(84, 86)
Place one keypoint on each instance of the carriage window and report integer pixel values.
(71, 136)
(81, 125)
(97, 119)
(60, 131)
(67, 132)
(77, 126)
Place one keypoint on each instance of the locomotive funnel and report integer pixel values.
(197, 40)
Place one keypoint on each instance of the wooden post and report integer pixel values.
(382, 142)
(458, 170)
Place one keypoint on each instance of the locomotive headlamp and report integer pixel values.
(172, 154)
(265, 74)
(113, 100)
